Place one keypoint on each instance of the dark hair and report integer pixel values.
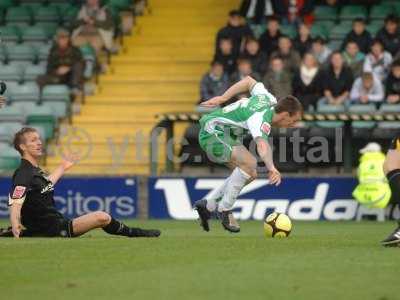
(319, 39)
(243, 59)
(272, 18)
(234, 13)
(377, 41)
(251, 39)
(215, 63)
(352, 42)
(359, 20)
(396, 63)
(391, 18)
(289, 104)
(19, 138)
(274, 57)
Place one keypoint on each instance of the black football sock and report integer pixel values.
(117, 228)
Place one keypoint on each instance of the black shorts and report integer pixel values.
(395, 143)
(53, 227)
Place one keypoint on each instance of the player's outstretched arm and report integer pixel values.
(242, 86)
(15, 219)
(265, 152)
(67, 163)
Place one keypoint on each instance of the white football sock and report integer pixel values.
(216, 195)
(237, 181)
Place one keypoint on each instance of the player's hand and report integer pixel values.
(69, 160)
(274, 177)
(2, 101)
(213, 102)
(16, 230)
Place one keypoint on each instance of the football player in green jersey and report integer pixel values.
(219, 138)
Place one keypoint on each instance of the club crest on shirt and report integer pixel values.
(18, 192)
(48, 188)
(266, 128)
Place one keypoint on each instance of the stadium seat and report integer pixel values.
(8, 130)
(33, 71)
(6, 4)
(120, 4)
(389, 125)
(62, 7)
(12, 72)
(390, 108)
(349, 12)
(374, 27)
(46, 14)
(10, 34)
(325, 13)
(42, 116)
(9, 159)
(335, 45)
(35, 34)
(60, 109)
(362, 108)
(339, 32)
(50, 28)
(26, 92)
(289, 30)
(329, 124)
(327, 108)
(319, 30)
(56, 92)
(3, 55)
(24, 106)
(11, 114)
(43, 52)
(22, 52)
(380, 11)
(18, 14)
(69, 16)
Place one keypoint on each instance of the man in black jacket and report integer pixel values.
(359, 35)
(269, 39)
(389, 35)
(235, 30)
(393, 84)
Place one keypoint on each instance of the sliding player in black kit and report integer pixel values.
(32, 210)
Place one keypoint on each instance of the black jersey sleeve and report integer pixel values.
(21, 182)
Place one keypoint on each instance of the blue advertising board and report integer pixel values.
(300, 198)
(75, 196)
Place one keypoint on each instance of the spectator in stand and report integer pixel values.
(389, 35)
(226, 56)
(291, 58)
(277, 79)
(303, 41)
(214, 83)
(94, 25)
(244, 69)
(65, 65)
(236, 30)
(295, 11)
(359, 35)
(269, 39)
(337, 81)
(367, 89)
(307, 81)
(393, 84)
(354, 58)
(257, 58)
(378, 61)
(257, 10)
(320, 50)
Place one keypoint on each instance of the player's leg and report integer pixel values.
(245, 170)
(103, 220)
(392, 171)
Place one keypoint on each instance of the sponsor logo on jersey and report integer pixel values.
(266, 128)
(18, 192)
(47, 188)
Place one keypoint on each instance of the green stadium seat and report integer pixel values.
(363, 124)
(325, 13)
(289, 30)
(390, 108)
(9, 159)
(69, 16)
(335, 45)
(362, 108)
(318, 30)
(62, 7)
(50, 28)
(43, 52)
(329, 124)
(8, 130)
(3, 55)
(18, 14)
(60, 109)
(24, 106)
(21, 52)
(11, 72)
(12, 114)
(26, 92)
(389, 125)
(56, 92)
(350, 12)
(380, 11)
(339, 32)
(33, 71)
(35, 34)
(46, 14)
(10, 33)
(374, 27)
(6, 4)
(328, 108)
(120, 4)
(42, 116)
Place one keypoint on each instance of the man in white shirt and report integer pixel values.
(367, 89)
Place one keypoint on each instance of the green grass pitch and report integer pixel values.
(320, 260)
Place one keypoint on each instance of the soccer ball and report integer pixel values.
(277, 225)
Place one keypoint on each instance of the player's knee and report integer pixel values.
(103, 218)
